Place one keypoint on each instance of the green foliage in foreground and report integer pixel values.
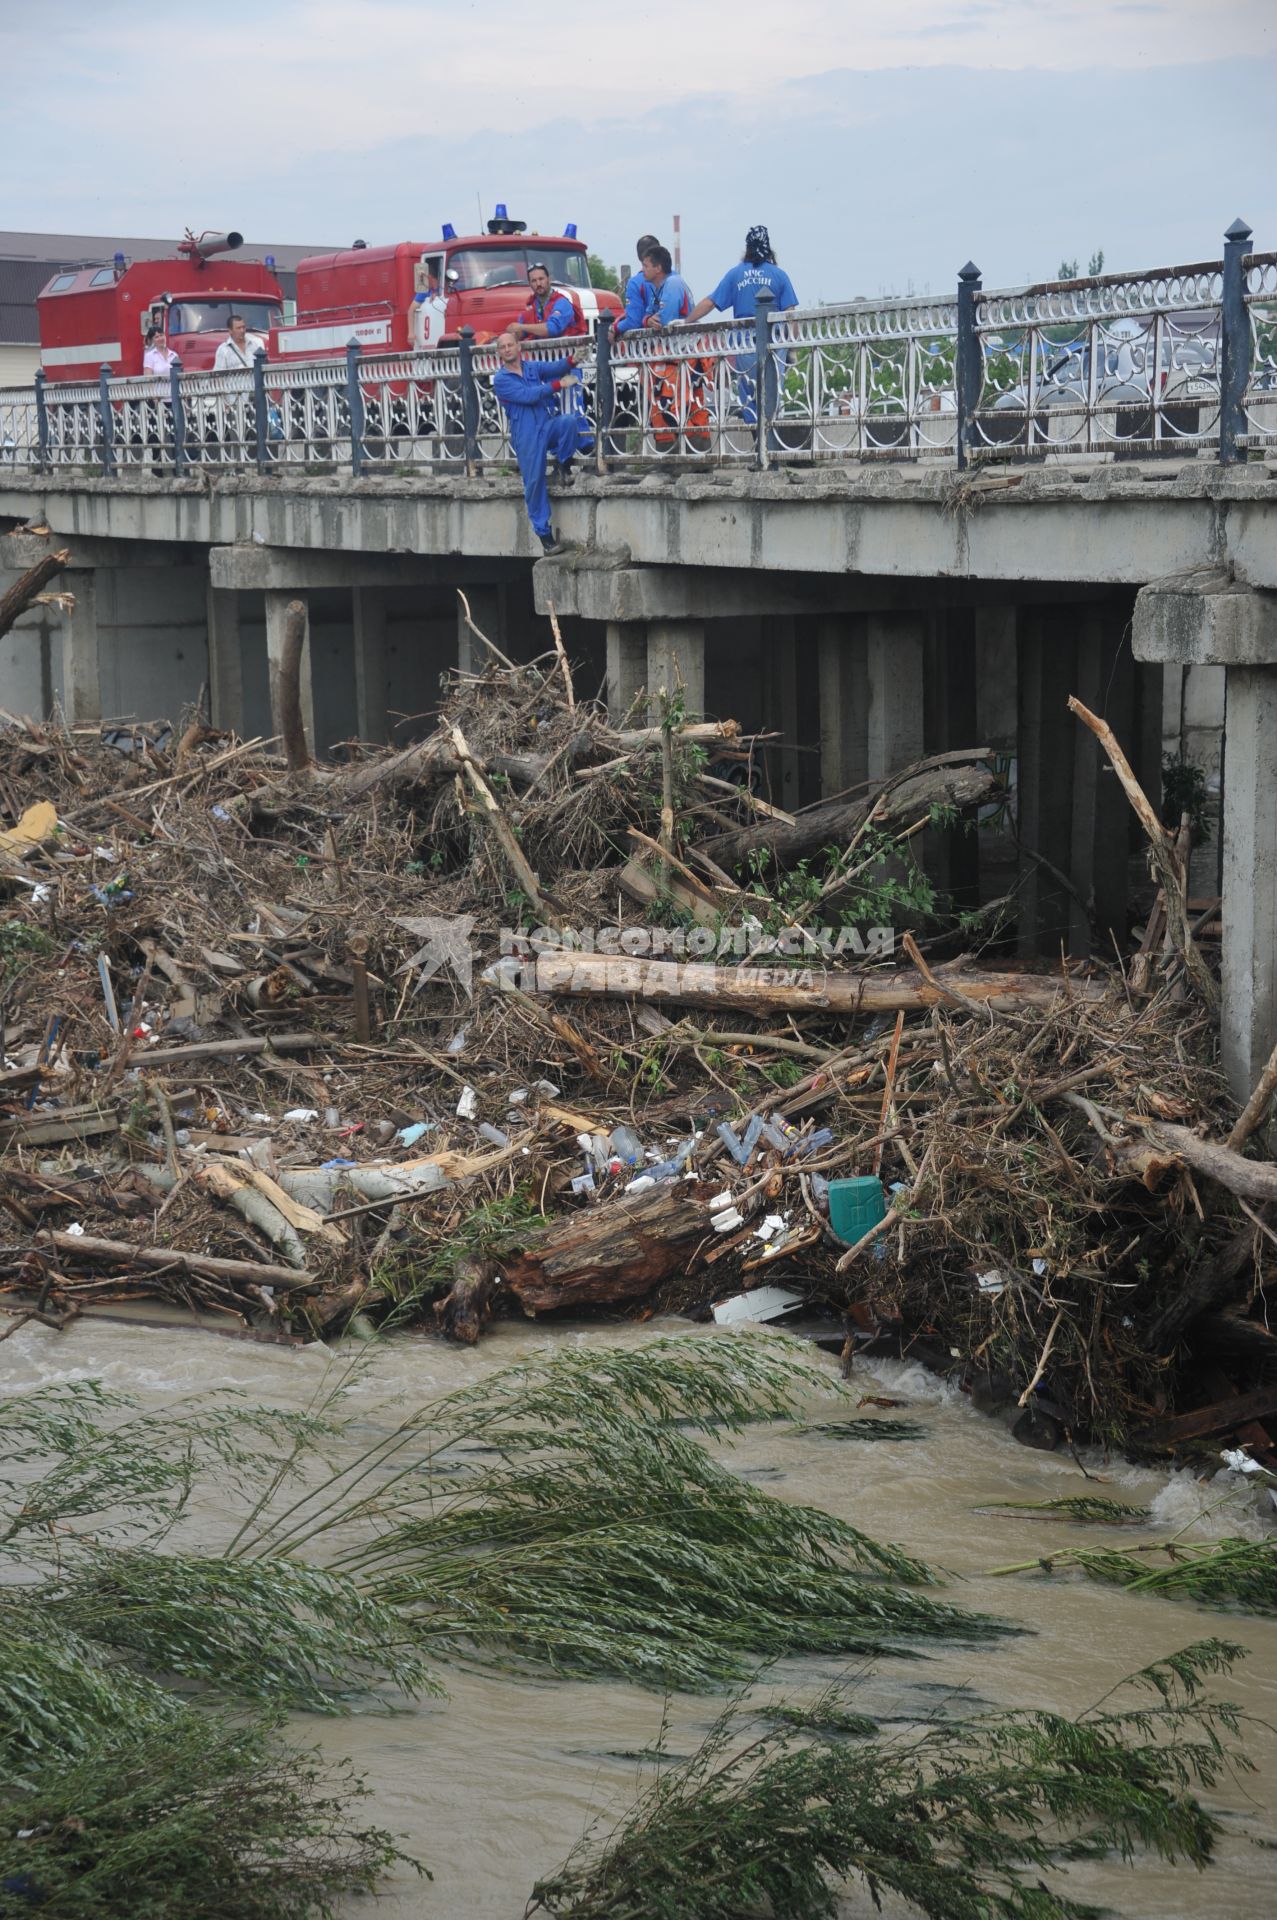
(961, 1820)
(191, 1819)
(1225, 1573)
(1086, 1509)
(868, 1429)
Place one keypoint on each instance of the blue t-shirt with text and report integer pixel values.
(741, 285)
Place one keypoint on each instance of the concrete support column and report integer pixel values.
(842, 656)
(368, 614)
(81, 676)
(276, 603)
(781, 708)
(1047, 670)
(488, 611)
(1100, 847)
(626, 666)
(225, 660)
(894, 649)
(950, 854)
(1249, 1019)
(676, 652)
(995, 677)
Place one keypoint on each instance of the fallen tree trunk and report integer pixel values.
(614, 1252)
(465, 1310)
(286, 698)
(781, 989)
(838, 821)
(28, 585)
(1252, 1179)
(86, 1247)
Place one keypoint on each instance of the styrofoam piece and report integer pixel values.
(764, 1303)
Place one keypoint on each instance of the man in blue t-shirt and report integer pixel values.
(640, 300)
(739, 289)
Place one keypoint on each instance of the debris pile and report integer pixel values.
(544, 1013)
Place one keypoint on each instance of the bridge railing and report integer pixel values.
(1179, 360)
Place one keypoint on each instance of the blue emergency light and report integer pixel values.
(270, 261)
(449, 231)
(569, 232)
(501, 212)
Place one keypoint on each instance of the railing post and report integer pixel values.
(104, 414)
(355, 403)
(469, 401)
(41, 422)
(259, 408)
(764, 376)
(1234, 346)
(179, 420)
(967, 371)
(604, 396)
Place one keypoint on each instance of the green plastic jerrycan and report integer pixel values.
(855, 1206)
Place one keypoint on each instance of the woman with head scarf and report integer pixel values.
(738, 290)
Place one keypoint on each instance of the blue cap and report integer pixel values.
(449, 231)
(501, 212)
(569, 232)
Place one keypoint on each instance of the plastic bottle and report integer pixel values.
(671, 1169)
(626, 1145)
(493, 1134)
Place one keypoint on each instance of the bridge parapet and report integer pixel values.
(1176, 360)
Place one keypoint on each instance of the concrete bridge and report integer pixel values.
(870, 613)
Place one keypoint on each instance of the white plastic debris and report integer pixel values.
(517, 1098)
(468, 1104)
(1239, 1462)
(773, 1224)
(725, 1221)
(992, 1282)
(302, 1115)
(76, 1229)
(546, 1087)
(721, 1200)
(640, 1183)
(583, 1183)
(764, 1303)
(1039, 1267)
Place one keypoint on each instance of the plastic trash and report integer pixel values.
(468, 1104)
(753, 1133)
(409, 1136)
(493, 1135)
(517, 1098)
(583, 1183)
(626, 1145)
(546, 1088)
(773, 1223)
(457, 1044)
(725, 1221)
(856, 1205)
(326, 1164)
(730, 1140)
(671, 1169)
(641, 1184)
(601, 1151)
(303, 1115)
(332, 1117)
(764, 1303)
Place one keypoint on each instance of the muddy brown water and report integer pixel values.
(491, 1787)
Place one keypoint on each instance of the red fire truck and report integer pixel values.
(418, 294)
(92, 316)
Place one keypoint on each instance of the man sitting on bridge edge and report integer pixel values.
(527, 389)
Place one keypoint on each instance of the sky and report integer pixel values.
(883, 142)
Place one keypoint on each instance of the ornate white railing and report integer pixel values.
(1180, 360)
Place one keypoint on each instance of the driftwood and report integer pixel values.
(1252, 1179)
(86, 1246)
(611, 1253)
(1222, 1417)
(1252, 1114)
(221, 1049)
(286, 699)
(784, 989)
(464, 1311)
(25, 590)
(1171, 868)
(506, 837)
(834, 823)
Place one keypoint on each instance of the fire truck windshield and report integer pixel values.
(508, 266)
(213, 316)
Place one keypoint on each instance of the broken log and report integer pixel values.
(836, 822)
(1252, 1179)
(87, 1247)
(1222, 1417)
(26, 588)
(614, 1252)
(465, 1310)
(220, 1049)
(778, 989)
(286, 697)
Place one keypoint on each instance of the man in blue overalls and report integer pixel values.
(527, 389)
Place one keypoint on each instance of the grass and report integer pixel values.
(961, 1821)
(1225, 1573)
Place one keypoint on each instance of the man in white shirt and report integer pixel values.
(236, 355)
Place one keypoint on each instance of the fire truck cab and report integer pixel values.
(92, 316)
(415, 295)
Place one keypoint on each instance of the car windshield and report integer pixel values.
(508, 266)
(214, 316)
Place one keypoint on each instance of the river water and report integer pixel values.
(491, 1787)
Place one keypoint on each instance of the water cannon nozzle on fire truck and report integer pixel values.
(199, 250)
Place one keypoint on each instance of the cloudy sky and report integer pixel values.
(882, 141)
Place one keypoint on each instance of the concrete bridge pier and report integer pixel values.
(1204, 617)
